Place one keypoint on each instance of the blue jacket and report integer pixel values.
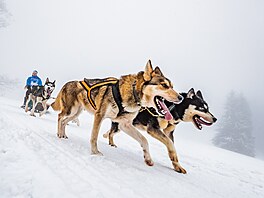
(34, 80)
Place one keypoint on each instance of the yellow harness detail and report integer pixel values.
(150, 112)
(97, 85)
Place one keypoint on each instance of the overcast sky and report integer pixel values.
(212, 45)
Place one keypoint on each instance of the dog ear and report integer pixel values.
(148, 71)
(199, 94)
(158, 72)
(190, 93)
(54, 82)
(47, 80)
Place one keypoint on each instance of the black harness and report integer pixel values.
(118, 98)
(137, 99)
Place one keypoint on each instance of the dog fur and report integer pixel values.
(136, 90)
(193, 109)
(40, 94)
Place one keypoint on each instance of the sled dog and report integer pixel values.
(40, 94)
(117, 99)
(193, 109)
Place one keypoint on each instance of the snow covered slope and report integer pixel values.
(35, 163)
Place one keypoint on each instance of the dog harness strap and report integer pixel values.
(154, 114)
(137, 99)
(88, 89)
(97, 85)
(117, 97)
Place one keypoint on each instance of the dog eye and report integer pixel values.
(165, 86)
(201, 108)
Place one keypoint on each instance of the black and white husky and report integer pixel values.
(193, 109)
(40, 94)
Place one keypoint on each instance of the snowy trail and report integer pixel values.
(35, 163)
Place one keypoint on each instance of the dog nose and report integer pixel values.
(180, 98)
(214, 119)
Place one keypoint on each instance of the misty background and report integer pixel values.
(216, 46)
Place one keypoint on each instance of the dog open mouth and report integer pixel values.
(162, 108)
(49, 92)
(199, 121)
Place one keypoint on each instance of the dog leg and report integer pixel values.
(159, 135)
(111, 138)
(26, 107)
(169, 131)
(63, 120)
(27, 102)
(106, 135)
(74, 118)
(61, 129)
(77, 121)
(63, 126)
(34, 104)
(134, 133)
(44, 104)
(64, 123)
(98, 118)
(110, 134)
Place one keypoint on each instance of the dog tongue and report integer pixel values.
(168, 115)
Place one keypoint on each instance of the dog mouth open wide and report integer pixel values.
(162, 107)
(199, 121)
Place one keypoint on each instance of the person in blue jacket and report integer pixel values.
(33, 80)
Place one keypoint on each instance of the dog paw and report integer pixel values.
(106, 135)
(62, 136)
(113, 145)
(178, 168)
(149, 162)
(96, 153)
(33, 115)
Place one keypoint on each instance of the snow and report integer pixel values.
(35, 163)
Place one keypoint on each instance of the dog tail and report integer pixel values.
(56, 105)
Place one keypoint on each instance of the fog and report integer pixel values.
(216, 46)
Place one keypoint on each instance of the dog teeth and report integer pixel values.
(205, 121)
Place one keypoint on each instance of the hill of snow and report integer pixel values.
(35, 163)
